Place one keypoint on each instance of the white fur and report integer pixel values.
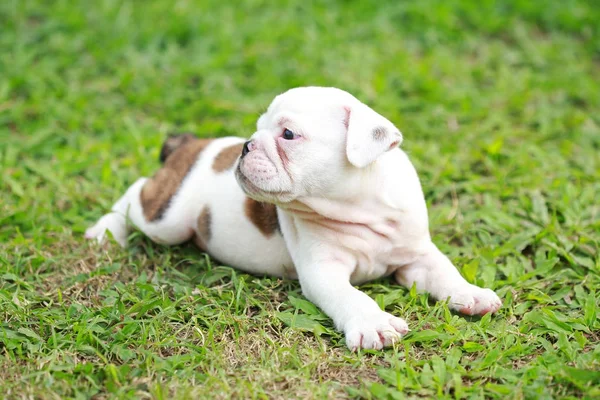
(350, 207)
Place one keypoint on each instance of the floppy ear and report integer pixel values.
(369, 135)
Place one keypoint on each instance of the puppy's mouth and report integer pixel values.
(257, 193)
(247, 186)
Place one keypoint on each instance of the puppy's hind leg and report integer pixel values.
(155, 205)
(116, 221)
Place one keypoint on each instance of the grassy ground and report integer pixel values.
(499, 103)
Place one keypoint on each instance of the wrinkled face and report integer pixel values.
(304, 144)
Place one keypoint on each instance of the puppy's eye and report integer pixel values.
(289, 135)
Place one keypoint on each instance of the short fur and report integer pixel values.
(180, 157)
(172, 143)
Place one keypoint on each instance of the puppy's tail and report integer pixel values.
(173, 142)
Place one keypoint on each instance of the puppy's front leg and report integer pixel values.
(433, 272)
(365, 325)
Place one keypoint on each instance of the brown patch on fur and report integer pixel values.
(204, 232)
(262, 215)
(172, 143)
(379, 133)
(157, 191)
(227, 157)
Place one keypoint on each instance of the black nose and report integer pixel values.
(246, 149)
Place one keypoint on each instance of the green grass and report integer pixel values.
(499, 103)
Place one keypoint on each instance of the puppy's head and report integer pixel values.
(307, 143)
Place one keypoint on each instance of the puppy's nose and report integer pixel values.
(248, 147)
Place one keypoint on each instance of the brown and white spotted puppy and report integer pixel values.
(321, 192)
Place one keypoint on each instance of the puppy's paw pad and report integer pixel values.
(375, 331)
(475, 301)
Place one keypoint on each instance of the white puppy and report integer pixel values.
(325, 195)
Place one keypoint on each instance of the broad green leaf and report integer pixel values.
(471, 347)
(302, 322)
(29, 333)
(305, 305)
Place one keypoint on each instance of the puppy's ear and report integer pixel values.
(369, 135)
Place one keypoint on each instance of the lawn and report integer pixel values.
(499, 103)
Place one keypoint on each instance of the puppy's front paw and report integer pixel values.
(473, 300)
(374, 331)
(114, 223)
